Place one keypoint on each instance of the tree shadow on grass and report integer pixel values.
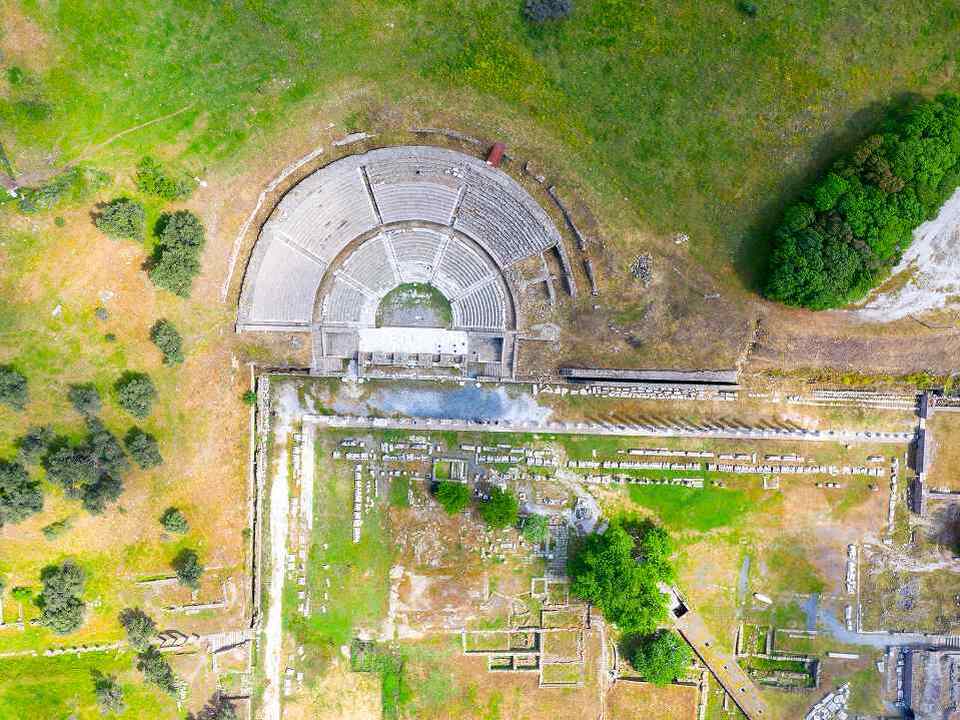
(753, 253)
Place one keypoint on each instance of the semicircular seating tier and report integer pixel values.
(472, 282)
(366, 223)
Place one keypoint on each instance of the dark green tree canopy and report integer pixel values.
(153, 179)
(660, 658)
(85, 398)
(165, 336)
(853, 225)
(140, 627)
(61, 607)
(176, 260)
(93, 470)
(122, 218)
(20, 497)
(13, 388)
(453, 496)
(157, 670)
(32, 446)
(619, 572)
(538, 11)
(109, 694)
(173, 520)
(501, 510)
(143, 448)
(188, 568)
(135, 393)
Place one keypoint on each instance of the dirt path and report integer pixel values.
(288, 410)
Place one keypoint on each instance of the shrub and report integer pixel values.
(153, 180)
(501, 509)
(74, 184)
(176, 260)
(33, 446)
(22, 594)
(20, 497)
(249, 397)
(165, 336)
(535, 529)
(143, 448)
(13, 388)
(85, 399)
(15, 75)
(61, 608)
(56, 528)
(619, 572)
(453, 496)
(539, 11)
(750, 9)
(661, 657)
(854, 224)
(188, 568)
(121, 218)
(135, 393)
(157, 670)
(173, 520)
(139, 626)
(109, 694)
(93, 470)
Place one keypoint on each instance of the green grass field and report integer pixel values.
(62, 687)
(358, 572)
(702, 117)
(681, 508)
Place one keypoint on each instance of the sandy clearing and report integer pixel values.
(287, 410)
(932, 258)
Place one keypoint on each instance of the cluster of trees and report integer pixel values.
(854, 224)
(620, 571)
(180, 235)
(92, 470)
(141, 630)
(62, 608)
(500, 510)
(176, 258)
